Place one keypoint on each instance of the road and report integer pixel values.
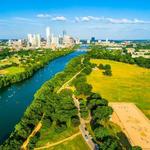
(87, 137)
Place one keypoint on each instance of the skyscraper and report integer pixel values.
(30, 40)
(37, 40)
(48, 36)
(34, 40)
(64, 33)
(107, 40)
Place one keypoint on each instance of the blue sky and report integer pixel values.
(113, 19)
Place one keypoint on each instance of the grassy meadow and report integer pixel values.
(129, 83)
(77, 143)
(12, 70)
(49, 135)
(9, 69)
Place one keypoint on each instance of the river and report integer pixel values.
(15, 99)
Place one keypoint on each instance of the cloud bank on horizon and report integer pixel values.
(94, 18)
(114, 20)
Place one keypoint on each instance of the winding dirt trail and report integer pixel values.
(57, 143)
(36, 129)
(66, 83)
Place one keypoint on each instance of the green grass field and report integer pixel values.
(12, 70)
(129, 83)
(77, 143)
(49, 135)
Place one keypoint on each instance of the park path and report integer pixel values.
(67, 83)
(59, 142)
(36, 129)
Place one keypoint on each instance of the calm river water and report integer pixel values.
(15, 99)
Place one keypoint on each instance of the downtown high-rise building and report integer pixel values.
(34, 40)
(48, 37)
(30, 40)
(37, 39)
(64, 33)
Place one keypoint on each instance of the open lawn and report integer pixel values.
(77, 143)
(12, 70)
(129, 83)
(3, 64)
(49, 135)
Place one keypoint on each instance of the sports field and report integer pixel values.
(129, 83)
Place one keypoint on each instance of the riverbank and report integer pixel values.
(15, 99)
(53, 107)
(22, 65)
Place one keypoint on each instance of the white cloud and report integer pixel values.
(110, 20)
(94, 18)
(126, 21)
(59, 18)
(77, 19)
(43, 15)
(87, 18)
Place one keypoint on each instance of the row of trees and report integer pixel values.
(50, 105)
(100, 112)
(4, 53)
(31, 65)
(100, 53)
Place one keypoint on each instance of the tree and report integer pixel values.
(101, 133)
(33, 141)
(136, 148)
(102, 113)
(79, 79)
(83, 89)
(94, 103)
(75, 121)
(101, 66)
(47, 121)
(107, 72)
(110, 143)
(107, 67)
(83, 109)
(94, 96)
(87, 70)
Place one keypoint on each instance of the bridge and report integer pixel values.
(83, 48)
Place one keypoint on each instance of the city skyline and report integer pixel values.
(126, 20)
